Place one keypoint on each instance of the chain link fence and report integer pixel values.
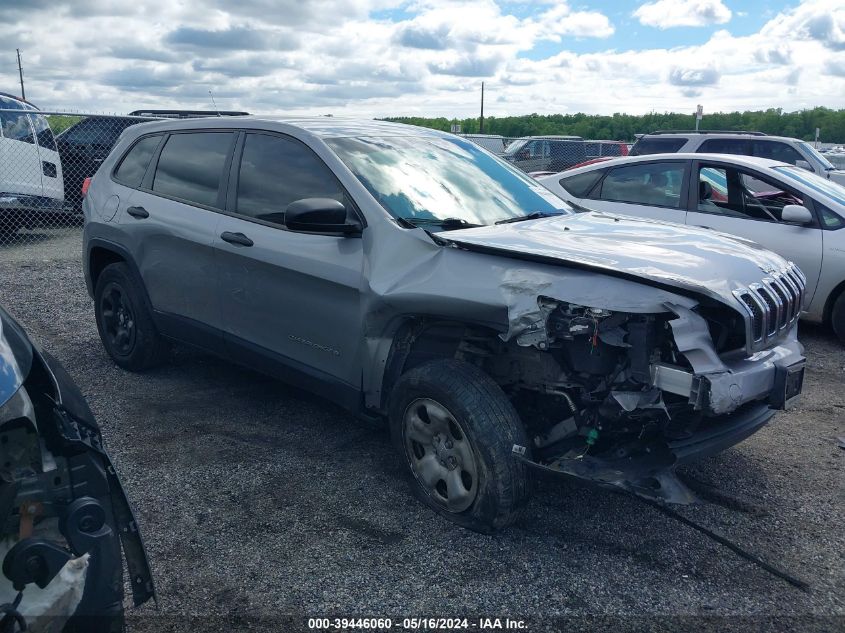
(45, 158)
(539, 155)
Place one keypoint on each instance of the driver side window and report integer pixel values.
(735, 193)
(276, 171)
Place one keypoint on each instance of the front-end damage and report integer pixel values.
(627, 347)
(65, 519)
(620, 391)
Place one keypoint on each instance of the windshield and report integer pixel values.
(828, 188)
(443, 178)
(814, 154)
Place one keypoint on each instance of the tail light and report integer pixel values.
(85, 185)
(623, 147)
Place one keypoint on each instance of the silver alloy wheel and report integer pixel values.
(440, 454)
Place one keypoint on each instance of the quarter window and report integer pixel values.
(276, 171)
(654, 184)
(830, 220)
(191, 166)
(579, 185)
(134, 165)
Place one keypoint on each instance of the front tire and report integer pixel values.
(124, 321)
(455, 429)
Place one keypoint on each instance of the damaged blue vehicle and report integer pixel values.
(66, 522)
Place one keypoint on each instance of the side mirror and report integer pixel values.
(803, 164)
(796, 214)
(319, 215)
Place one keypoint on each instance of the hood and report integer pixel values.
(15, 357)
(692, 259)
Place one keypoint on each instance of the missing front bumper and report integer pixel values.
(650, 472)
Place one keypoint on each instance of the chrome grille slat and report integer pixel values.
(772, 306)
(784, 304)
(796, 295)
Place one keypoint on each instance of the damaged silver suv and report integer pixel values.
(410, 274)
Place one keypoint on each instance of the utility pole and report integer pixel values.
(20, 72)
(481, 126)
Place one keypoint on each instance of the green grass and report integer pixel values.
(61, 122)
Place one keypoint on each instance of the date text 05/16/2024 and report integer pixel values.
(417, 624)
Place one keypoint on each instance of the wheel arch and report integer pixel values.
(831, 301)
(418, 339)
(102, 253)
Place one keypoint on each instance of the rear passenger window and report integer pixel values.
(725, 146)
(191, 166)
(654, 184)
(134, 165)
(579, 185)
(646, 146)
(276, 171)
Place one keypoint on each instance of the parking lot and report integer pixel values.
(257, 500)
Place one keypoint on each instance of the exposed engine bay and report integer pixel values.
(610, 396)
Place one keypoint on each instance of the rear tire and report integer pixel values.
(455, 429)
(124, 321)
(837, 316)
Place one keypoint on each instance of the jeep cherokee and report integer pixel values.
(410, 274)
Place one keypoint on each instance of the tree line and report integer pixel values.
(623, 127)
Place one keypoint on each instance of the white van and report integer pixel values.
(30, 168)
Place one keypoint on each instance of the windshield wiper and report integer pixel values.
(446, 223)
(536, 215)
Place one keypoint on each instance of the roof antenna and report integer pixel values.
(214, 104)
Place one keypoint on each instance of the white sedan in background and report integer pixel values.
(786, 209)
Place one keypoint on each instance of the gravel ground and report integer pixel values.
(258, 500)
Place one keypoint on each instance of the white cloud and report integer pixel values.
(427, 58)
(665, 14)
(561, 20)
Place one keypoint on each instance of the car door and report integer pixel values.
(288, 299)
(21, 165)
(170, 224)
(747, 203)
(655, 190)
(51, 165)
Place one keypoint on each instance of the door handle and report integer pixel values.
(236, 238)
(138, 212)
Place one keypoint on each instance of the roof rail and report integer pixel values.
(186, 114)
(707, 132)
